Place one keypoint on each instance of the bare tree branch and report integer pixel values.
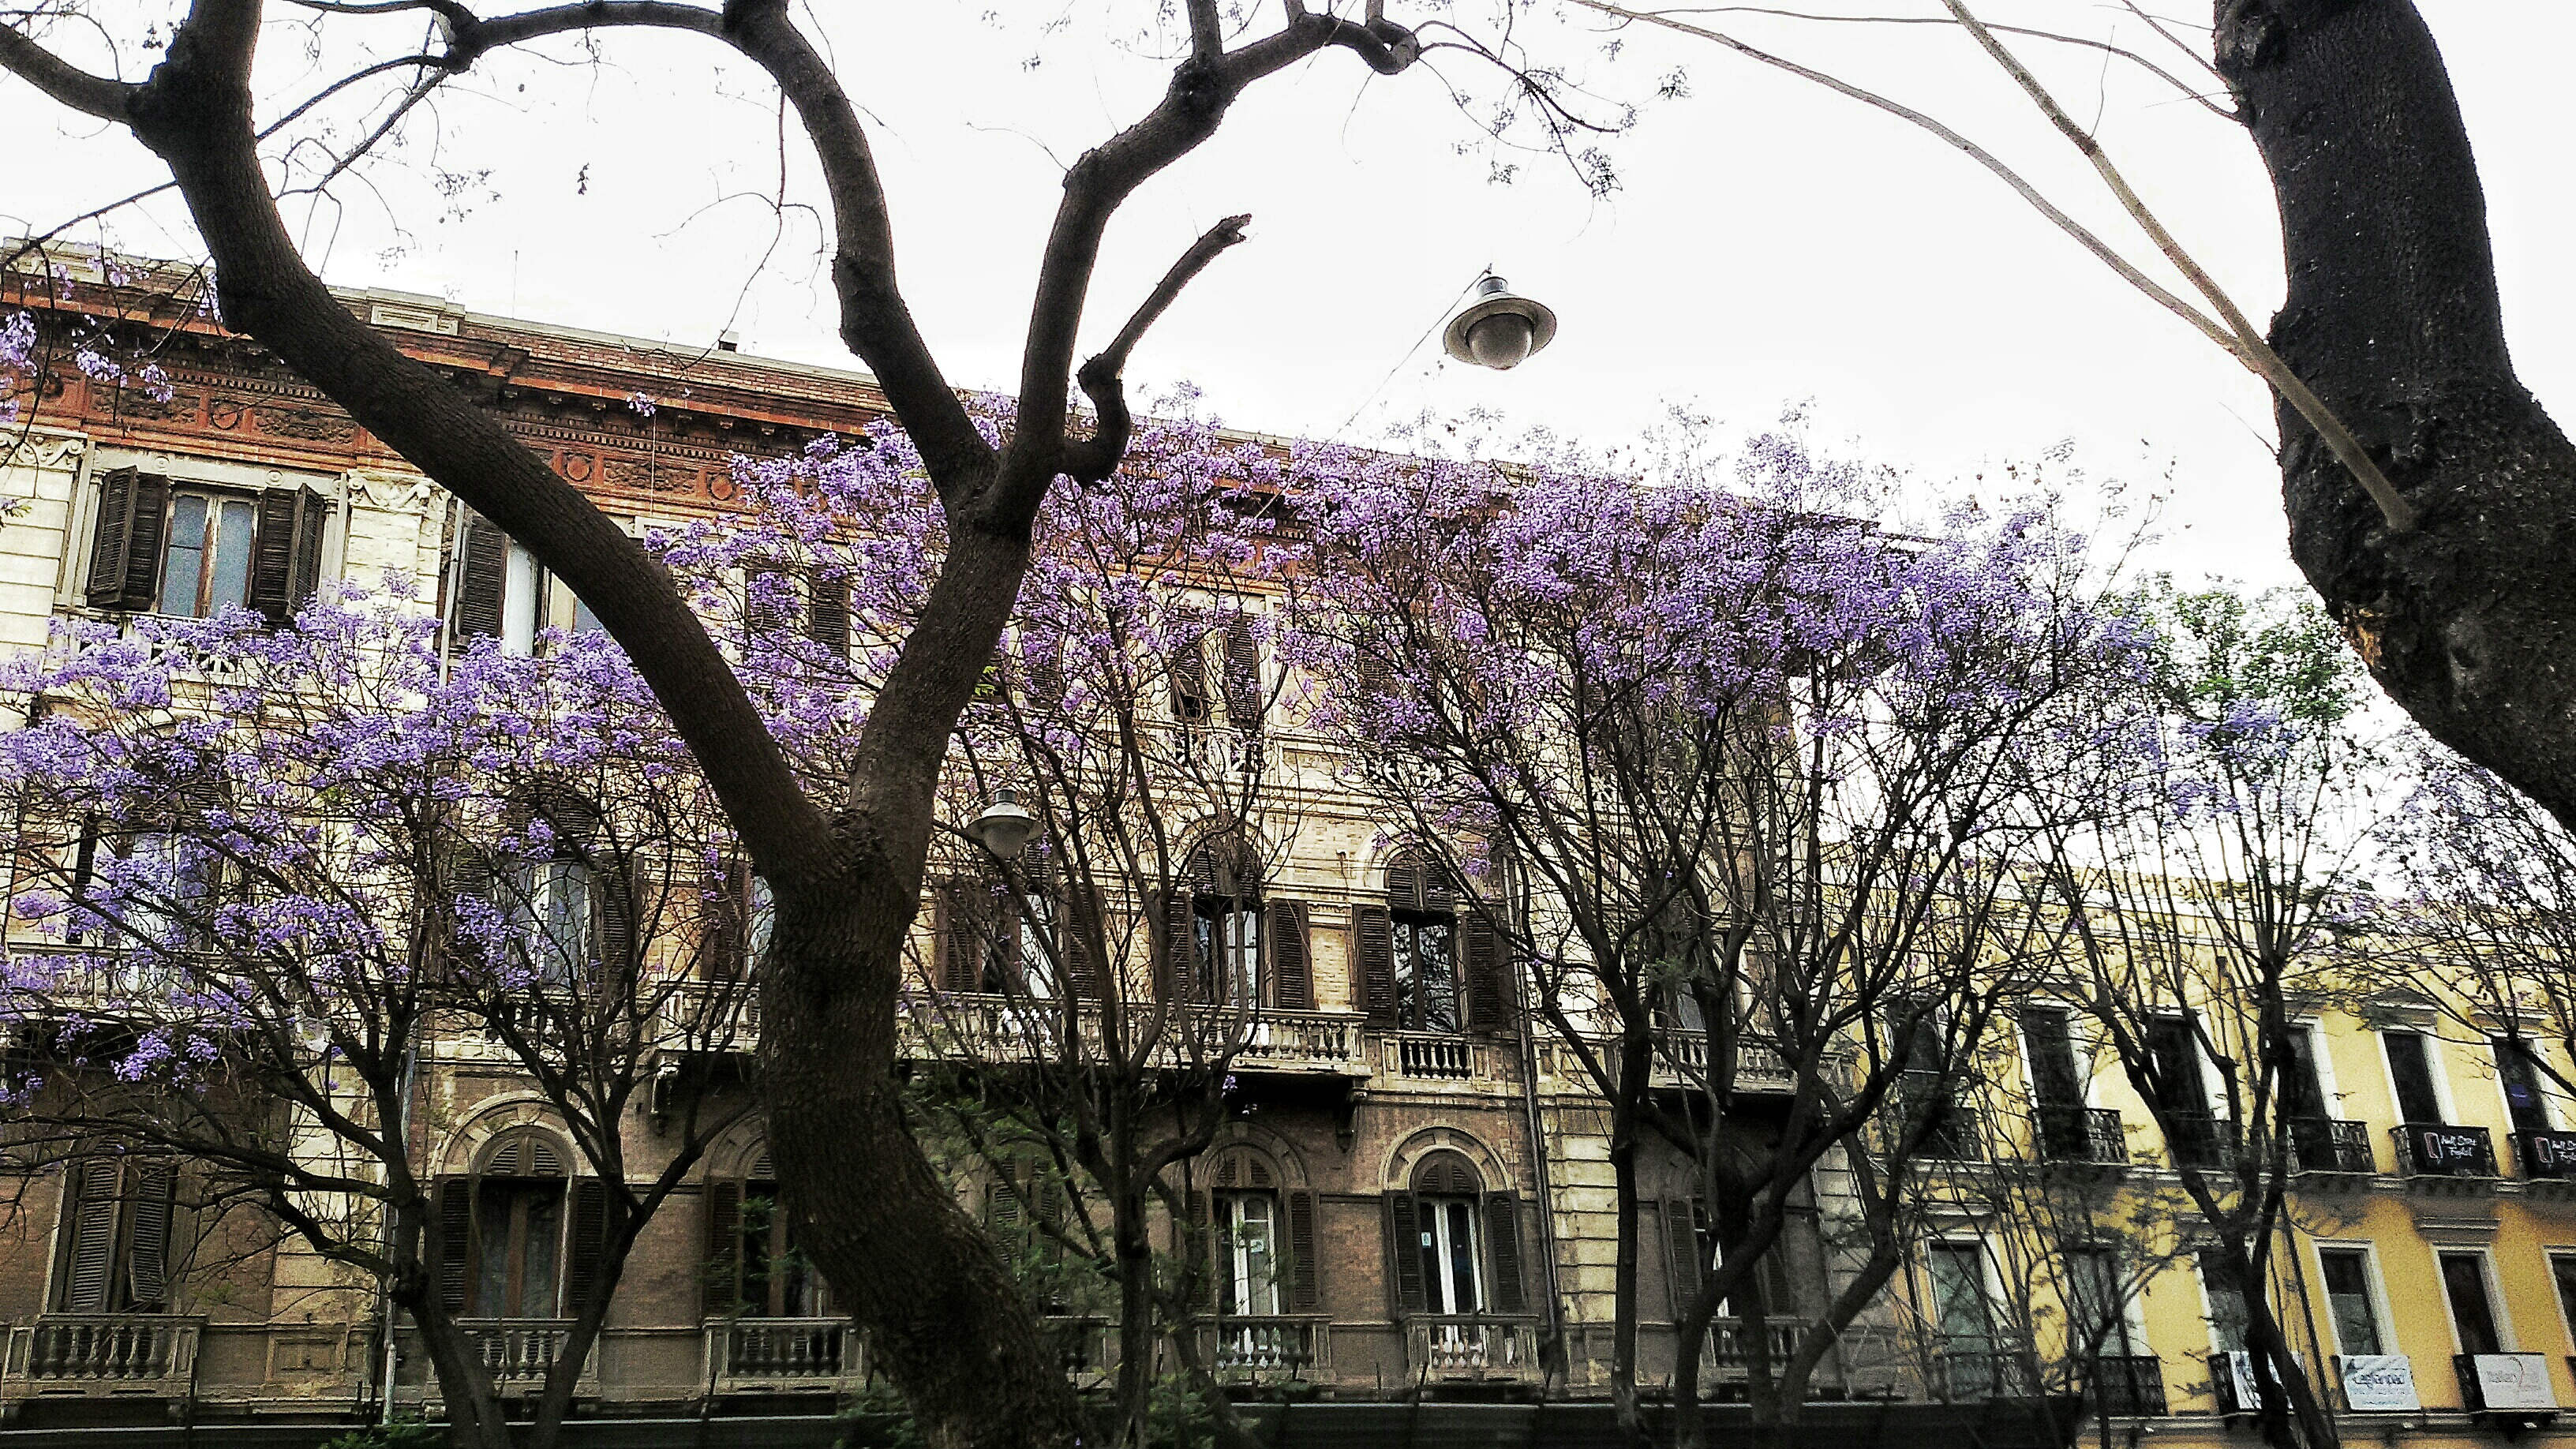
(63, 81)
(1096, 457)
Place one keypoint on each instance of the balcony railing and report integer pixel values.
(2325, 1145)
(1263, 1348)
(1956, 1133)
(1681, 1059)
(2081, 1136)
(2232, 1381)
(993, 1028)
(517, 1351)
(2438, 1150)
(2126, 1386)
(1434, 1056)
(2546, 1156)
(115, 1351)
(1974, 1372)
(1723, 1353)
(1477, 1347)
(781, 1354)
(2200, 1141)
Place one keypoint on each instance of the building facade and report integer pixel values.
(1433, 1173)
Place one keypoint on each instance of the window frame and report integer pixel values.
(182, 472)
(1433, 1213)
(2498, 1316)
(1238, 1279)
(2550, 1118)
(2375, 1284)
(2434, 1068)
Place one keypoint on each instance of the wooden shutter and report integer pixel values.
(1190, 703)
(125, 546)
(1503, 1246)
(482, 576)
(1085, 921)
(1244, 695)
(286, 559)
(827, 615)
(1404, 1249)
(147, 1251)
(1488, 984)
(961, 951)
(1292, 978)
(1178, 953)
(589, 1254)
(1373, 941)
(724, 1249)
(724, 930)
(91, 1258)
(1684, 1269)
(1305, 1286)
(612, 917)
(1005, 1216)
(455, 1240)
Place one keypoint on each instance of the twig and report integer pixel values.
(1094, 458)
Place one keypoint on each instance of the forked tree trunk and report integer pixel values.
(2468, 620)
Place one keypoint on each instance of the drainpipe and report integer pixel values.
(1538, 1143)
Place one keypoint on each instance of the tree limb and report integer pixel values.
(67, 83)
(1093, 459)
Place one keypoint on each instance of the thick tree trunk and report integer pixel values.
(2468, 620)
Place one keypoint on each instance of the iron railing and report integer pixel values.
(2081, 1135)
(2437, 1149)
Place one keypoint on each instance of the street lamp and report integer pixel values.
(1004, 827)
(1498, 330)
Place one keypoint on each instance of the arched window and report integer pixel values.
(503, 1230)
(755, 1269)
(114, 1244)
(1429, 961)
(994, 940)
(1264, 1241)
(1456, 1245)
(1213, 947)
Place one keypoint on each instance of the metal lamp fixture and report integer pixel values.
(1005, 827)
(1498, 330)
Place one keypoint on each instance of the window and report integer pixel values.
(2473, 1319)
(2518, 1072)
(994, 942)
(2350, 1303)
(2228, 1313)
(503, 1243)
(113, 1246)
(1452, 1282)
(1426, 971)
(193, 550)
(2099, 1305)
(1456, 1248)
(2410, 1071)
(1215, 951)
(777, 597)
(1969, 1366)
(1693, 1249)
(1247, 1253)
(567, 910)
(777, 1279)
(1227, 941)
(150, 888)
(499, 590)
(2181, 1096)
(2562, 1275)
(1233, 676)
(2056, 1084)
(1424, 964)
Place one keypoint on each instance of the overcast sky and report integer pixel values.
(1768, 243)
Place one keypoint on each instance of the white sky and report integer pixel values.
(1770, 242)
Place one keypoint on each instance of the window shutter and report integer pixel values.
(1377, 677)
(1243, 692)
(612, 916)
(1404, 1246)
(1503, 1243)
(1179, 952)
(724, 933)
(1685, 1270)
(961, 953)
(92, 1258)
(1190, 703)
(724, 1249)
(1082, 977)
(1305, 1287)
(125, 546)
(827, 618)
(1221, 1247)
(1404, 881)
(286, 562)
(589, 1255)
(147, 1253)
(481, 577)
(1292, 981)
(1005, 1216)
(1374, 943)
(1488, 984)
(455, 1245)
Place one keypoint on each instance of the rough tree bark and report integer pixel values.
(2392, 317)
(940, 1314)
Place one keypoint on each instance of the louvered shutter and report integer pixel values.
(482, 577)
(1006, 1217)
(724, 1249)
(1404, 881)
(1374, 943)
(725, 930)
(91, 1261)
(1202, 1209)
(961, 953)
(147, 1251)
(125, 543)
(1684, 1269)
(1503, 1246)
(1244, 695)
(1292, 978)
(1082, 976)
(589, 1255)
(1404, 1249)
(1488, 984)
(827, 617)
(1305, 1267)
(1190, 703)
(455, 1240)
(1221, 1247)
(286, 559)
(1178, 955)
(612, 918)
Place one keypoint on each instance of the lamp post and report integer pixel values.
(1498, 330)
(1005, 826)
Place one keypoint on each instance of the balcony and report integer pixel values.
(1472, 1349)
(2328, 1155)
(1006, 1029)
(2438, 1158)
(1722, 1354)
(2199, 1141)
(2548, 1162)
(1973, 1371)
(1267, 1349)
(2506, 1387)
(782, 1355)
(1956, 1133)
(2125, 1386)
(520, 1352)
(143, 1355)
(1430, 1056)
(1306, 1043)
(1681, 1060)
(2082, 1138)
